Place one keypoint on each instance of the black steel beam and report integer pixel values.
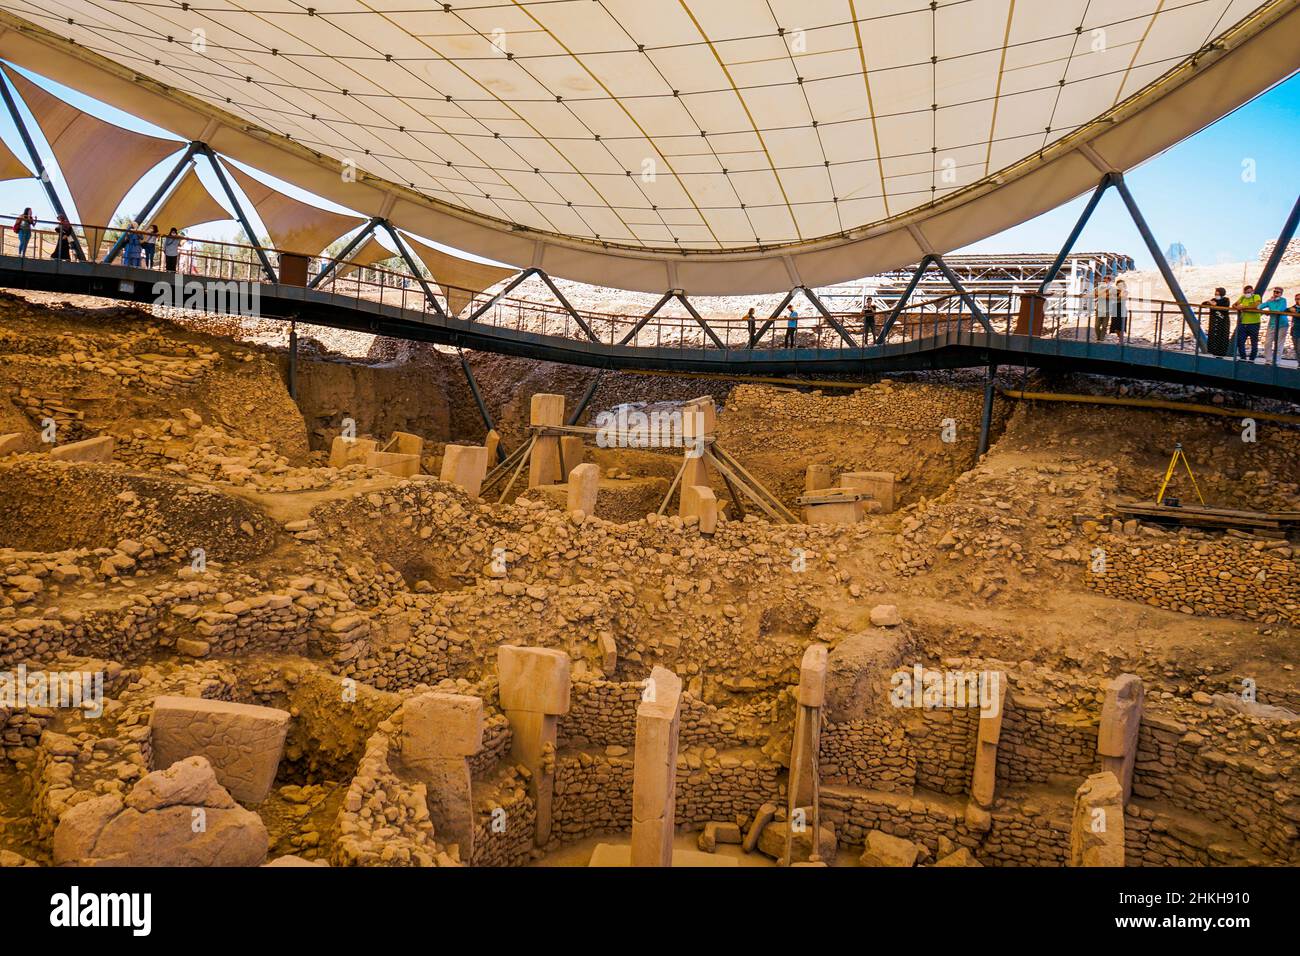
(293, 358)
(771, 319)
(1275, 258)
(217, 168)
(340, 260)
(897, 310)
(153, 200)
(681, 297)
(1106, 182)
(478, 397)
(835, 323)
(641, 323)
(986, 419)
(587, 396)
(961, 291)
(1161, 263)
(42, 173)
(510, 287)
(415, 269)
(555, 290)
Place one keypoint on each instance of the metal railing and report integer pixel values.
(1149, 324)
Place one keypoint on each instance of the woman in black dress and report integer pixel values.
(1119, 318)
(1220, 326)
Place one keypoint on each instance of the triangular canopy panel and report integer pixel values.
(11, 167)
(370, 253)
(100, 161)
(294, 226)
(190, 204)
(460, 279)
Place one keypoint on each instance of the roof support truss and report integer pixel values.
(41, 172)
(332, 265)
(155, 199)
(206, 150)
(550, 284)
(414, 267)
(1279, 248)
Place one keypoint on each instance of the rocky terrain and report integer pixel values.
(219, 556)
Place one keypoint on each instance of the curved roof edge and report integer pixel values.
(1259, 53)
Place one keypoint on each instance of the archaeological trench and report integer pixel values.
(318, 631)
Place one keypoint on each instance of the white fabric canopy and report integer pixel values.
(293, 226)
(713, 145)
(99, 161)
(188, 204)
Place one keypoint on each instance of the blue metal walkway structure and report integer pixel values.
(964, 344)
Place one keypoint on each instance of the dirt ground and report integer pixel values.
(985, 556)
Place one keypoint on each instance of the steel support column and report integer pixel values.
(510, 287)
(1283, 239)
(1106, 182)
(341, 259)
(41, 172)
(834, 322)
(708, 330)
(415, 268)
(1161, 263)
(986, 419)
(478, 400)
(587, 396)
(771, 319)
(154, 200)
(555, 291)
(902, 300)
(217, 168)
(642, 322)
(961, 291)
(293, 358)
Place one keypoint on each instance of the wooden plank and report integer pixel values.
(718, 452)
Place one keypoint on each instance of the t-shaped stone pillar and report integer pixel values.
(1097, 827)
(534, 693)
(654, 770)
(1117, 733)
(984, 777)
(544, 464)
(699, 422)
(803, 786)
(439, 733)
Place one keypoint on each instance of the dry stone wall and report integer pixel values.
(1224, 578)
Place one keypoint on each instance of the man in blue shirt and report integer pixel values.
(1275, 335)
(791, 323)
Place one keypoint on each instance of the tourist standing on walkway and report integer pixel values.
(1220, 327)
(23, 226)
(1275, 335)
(869, 321)
(750, 319)
(1247, 322)
(791, 323)
(131, 248)
(1119, 313)
(149, 246)
(171, 249)
(1295, 327)
(1103, 308)
(63, 239)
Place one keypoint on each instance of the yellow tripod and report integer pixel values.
(1169, 473)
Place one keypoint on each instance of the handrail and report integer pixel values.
(1064, 316)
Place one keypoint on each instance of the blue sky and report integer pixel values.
(1222, 193)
